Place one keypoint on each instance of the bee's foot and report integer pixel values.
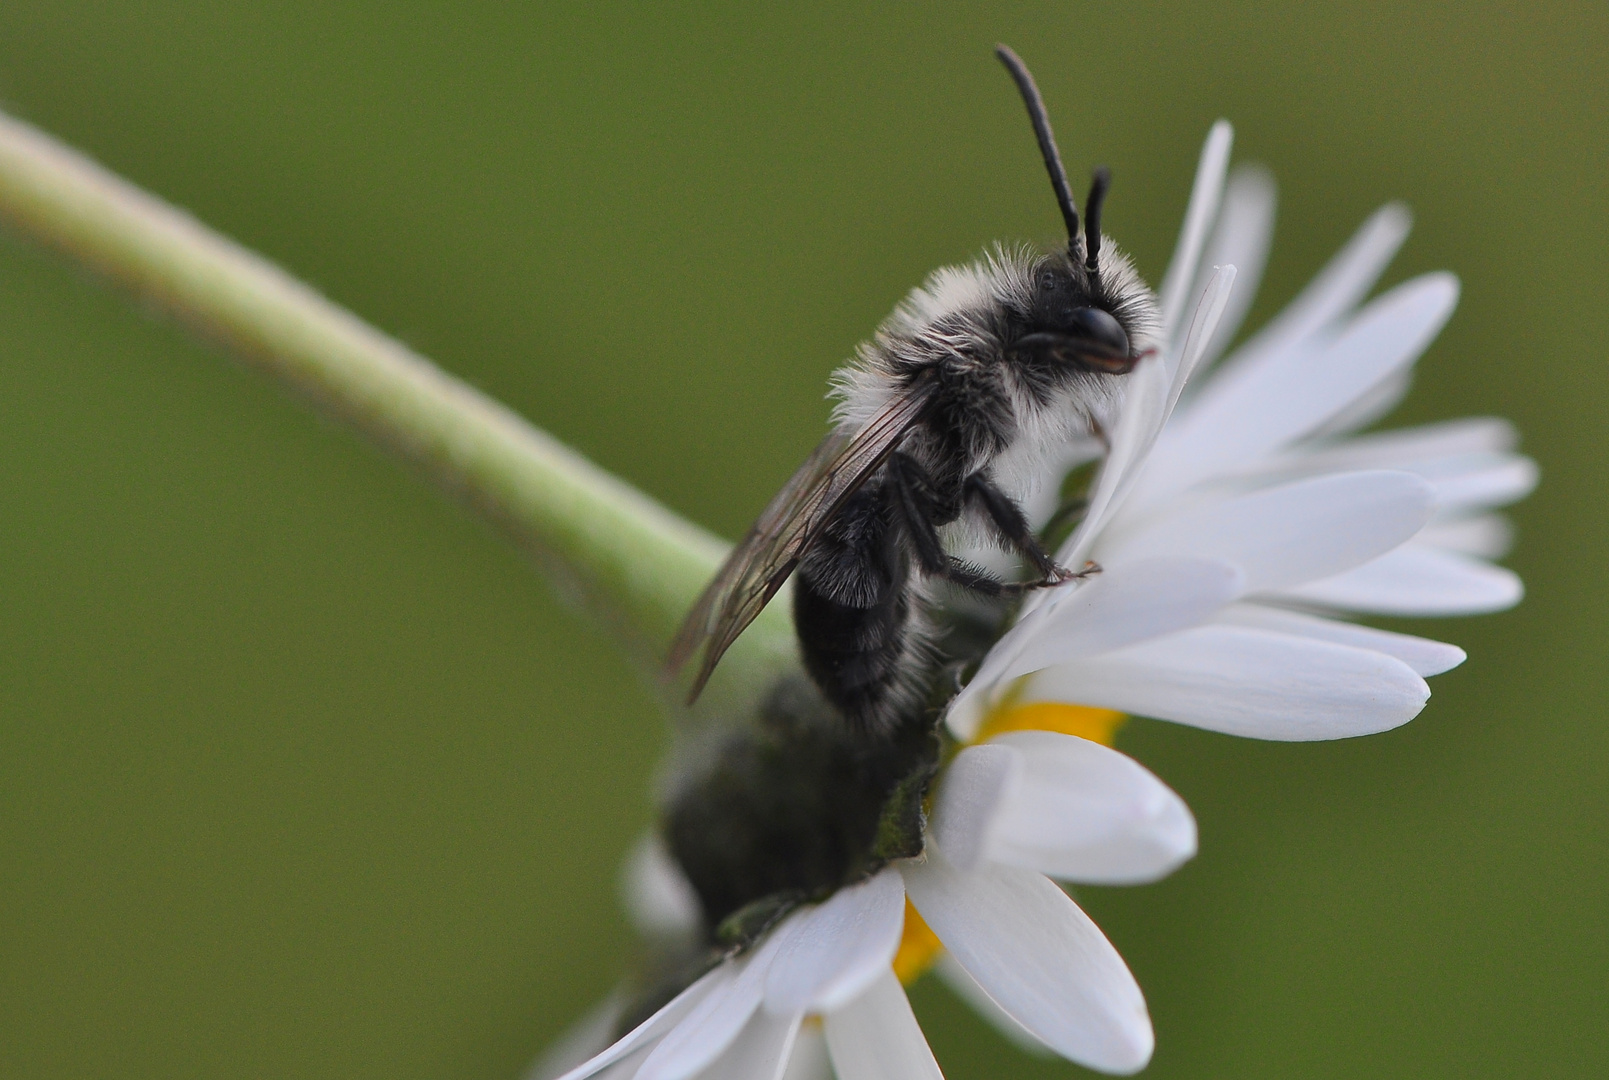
(1061, 575)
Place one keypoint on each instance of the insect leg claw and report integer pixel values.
(1061, 575)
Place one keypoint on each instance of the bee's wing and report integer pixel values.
(762, 561)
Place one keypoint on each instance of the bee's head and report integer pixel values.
(1068, 323)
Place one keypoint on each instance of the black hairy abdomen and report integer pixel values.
(852, 611)
(854, 654)
(795, 804)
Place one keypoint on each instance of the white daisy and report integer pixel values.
(1248, 501)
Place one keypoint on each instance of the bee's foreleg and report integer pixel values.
(1012, 525)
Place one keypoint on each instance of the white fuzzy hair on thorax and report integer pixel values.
(1048, 434)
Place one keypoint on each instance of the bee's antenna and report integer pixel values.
(1047, 141)
(1092, 220)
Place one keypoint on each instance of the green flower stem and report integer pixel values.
(613, 550)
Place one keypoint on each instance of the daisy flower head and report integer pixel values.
(1237, 524)
(1239, 521)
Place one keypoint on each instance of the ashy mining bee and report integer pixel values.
(943, 418)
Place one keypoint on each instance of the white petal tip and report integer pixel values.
(1130, 1064)
(1394, 219)
(1444, 661)
(1127, 1050)
(1255, 177)
(1444, 281)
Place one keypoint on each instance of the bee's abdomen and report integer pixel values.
(852, 610)
(855, 655)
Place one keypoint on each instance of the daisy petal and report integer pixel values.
(1203, 327)
(1205, 193)
(1080, 811)
(1399, 449)
(585, 1038)
(1487, 536)
(711, 1026)
(626, 1068)
(760, 1051)
(966, 988)
(657, 896)
(1426, 657)
(1148, 402)
(1417, 580)
(1039, 957)
(1243, 681)
(1251, 411)
(1336, 290)
(1295, 532)
(1126, 604)
(1387, 335)
(808, 1060)
(1479, 481)
(656, 1026)
(1145, 402)
(969, 800)
(1245, 230)
(968, 708)
(838, 948)
(1370, 407)
(877, 1037)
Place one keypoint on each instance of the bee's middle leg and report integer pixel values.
(913, 499)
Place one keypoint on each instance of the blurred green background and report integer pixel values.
(304, 773)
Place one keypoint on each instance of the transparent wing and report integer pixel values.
(762, 561)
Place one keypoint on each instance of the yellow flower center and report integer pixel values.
(919, 946)
(1085, 721)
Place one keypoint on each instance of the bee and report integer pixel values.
(943, 420)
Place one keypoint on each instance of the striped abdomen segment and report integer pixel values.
(852, 610)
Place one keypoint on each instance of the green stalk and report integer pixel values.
(607, 547)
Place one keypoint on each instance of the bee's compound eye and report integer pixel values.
(1100, 326)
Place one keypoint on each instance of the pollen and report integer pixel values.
(918, 947)
(1084, 721)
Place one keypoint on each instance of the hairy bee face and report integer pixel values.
(1066, 323)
